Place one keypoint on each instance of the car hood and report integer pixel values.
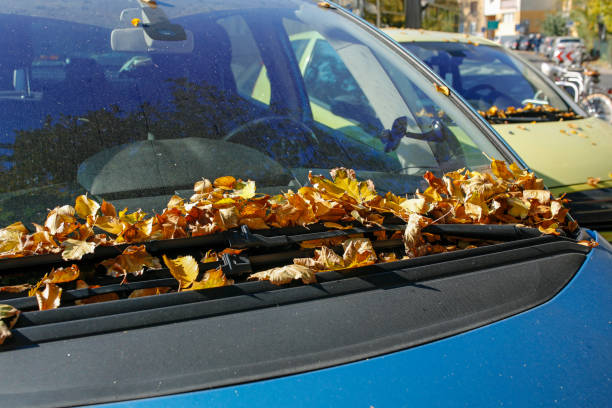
(563, 153)
(555, 354)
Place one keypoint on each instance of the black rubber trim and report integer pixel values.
(220, 341)
(73, 321)
(592, 208)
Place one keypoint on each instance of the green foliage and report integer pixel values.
(554, 25)
(586, 13)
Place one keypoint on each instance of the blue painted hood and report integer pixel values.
(557, 354)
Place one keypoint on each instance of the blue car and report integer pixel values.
(128, 103)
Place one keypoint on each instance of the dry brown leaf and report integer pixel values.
(412, 234)
(16, 288)
(590, 243)
(133, 260)
(286, 274)
(8, 318)
(49, 297)
(593, 181)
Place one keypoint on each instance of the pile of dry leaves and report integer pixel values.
(506, 195)
(545, 111)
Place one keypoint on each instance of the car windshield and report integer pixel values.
(488, 76)
(132, 102)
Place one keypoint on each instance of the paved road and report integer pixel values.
(605, 78)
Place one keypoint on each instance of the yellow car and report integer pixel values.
(572, 153)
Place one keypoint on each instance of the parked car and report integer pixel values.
(525, 44)
(148, 98)
(487, 75)
(567, 50)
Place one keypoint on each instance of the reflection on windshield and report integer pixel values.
(127, 117)
(488, 76)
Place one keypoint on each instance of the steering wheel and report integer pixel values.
(283, 138)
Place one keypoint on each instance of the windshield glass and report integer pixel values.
(132, 103)
(488, 76)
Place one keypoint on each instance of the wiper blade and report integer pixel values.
(495, 232)
(244, 238)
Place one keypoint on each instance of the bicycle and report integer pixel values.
(582, 84)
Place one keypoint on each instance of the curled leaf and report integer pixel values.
(49, 297)
(442, 89)
(286, 274)
(8, 319)
(86, 207)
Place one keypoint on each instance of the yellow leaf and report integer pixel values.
(210, 256)
(518, 207)
(10, 238)
(358, 252)
(212, 278)
(184, 269)
(49, 298)
(324, 260)
(86, 207)
(500, 170)
(549, 231)
(109, 224)
(245, 190)
(442, 89)
(75, 249)
(226, 182)
(135, 22)
(132, 218)
(336, 226)
(62, 275)
(285, 274)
